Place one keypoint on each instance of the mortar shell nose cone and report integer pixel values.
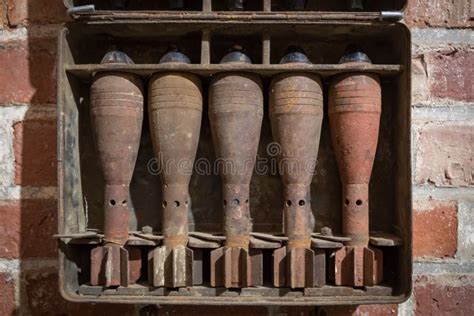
(353, 54)
(116, 57)
(236, 55)
(295, 55)
(356, 5)
(236, 5)
(175, 57)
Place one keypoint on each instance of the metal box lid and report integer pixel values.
(336, 9)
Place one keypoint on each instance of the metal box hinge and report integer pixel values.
(392, 16)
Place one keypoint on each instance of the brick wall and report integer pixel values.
(443, 130)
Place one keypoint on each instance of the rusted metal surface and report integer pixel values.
(175, 111)
(116, 115)
(354, 115)
(296, 114)
(235, 114)
(85, 71)
(236, 267)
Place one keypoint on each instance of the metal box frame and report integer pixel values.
(204, 36)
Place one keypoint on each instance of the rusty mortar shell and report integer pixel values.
(355, 101)
(235, 113)
(175, 112)
(117, 115)
(296, 114)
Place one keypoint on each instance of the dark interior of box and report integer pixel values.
(324, 44)
(251, 5)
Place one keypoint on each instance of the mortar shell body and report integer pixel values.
(296, 113)
(175, 111)
(117, 115)
(354, 114)
(235, 113)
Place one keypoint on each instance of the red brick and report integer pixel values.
(35, 152)
(450, 295)
(38, 223)
(451, 74)
(7, 295)
(43, 298)
(419, 80)
(3, 14)
(25, 223)
(445, 13)
(21, 12)
(28, 72)
(435, 229)
(362, 310)
(444, 154)
(10, 230)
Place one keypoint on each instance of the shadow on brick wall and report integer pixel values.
(36, 162)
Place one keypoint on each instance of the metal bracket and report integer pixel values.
(90, 8)
(392, 16)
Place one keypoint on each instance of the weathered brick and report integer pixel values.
(3, 14)
(10, 229)
(7, 295)
(43, 298)
(444, 295)
(445, 13)
(451, 75)
(444, 154)
(35, 152)
(25, 223)
(28, 72)
(465, 250)
(435, 227)
(419, 80)
(38, 223)
(373, 310)
(21, 12)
